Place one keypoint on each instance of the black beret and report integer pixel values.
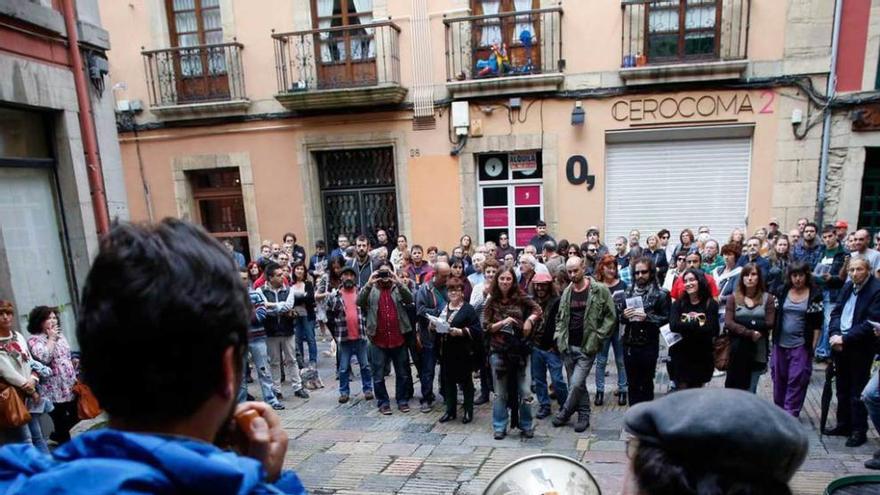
(722, 430)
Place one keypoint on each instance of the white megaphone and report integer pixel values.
(543, 474)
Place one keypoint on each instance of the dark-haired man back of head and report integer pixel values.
(162, 328)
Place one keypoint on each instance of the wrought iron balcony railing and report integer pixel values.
(194, 74)
(663, 32)
(506, 44)
(358, 55)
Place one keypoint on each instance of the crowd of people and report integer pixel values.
(775, 301)
(509, 319)
(177, 422)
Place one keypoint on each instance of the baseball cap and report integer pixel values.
(841, 224)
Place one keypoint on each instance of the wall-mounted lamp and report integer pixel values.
(577, 114)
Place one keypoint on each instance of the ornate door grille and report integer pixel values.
(357, 190)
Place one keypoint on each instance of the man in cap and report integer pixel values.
(545, 356)
(842, 229)
(350, 332)
(773, 228)
(712, 441)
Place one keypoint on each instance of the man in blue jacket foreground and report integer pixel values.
(162, 329)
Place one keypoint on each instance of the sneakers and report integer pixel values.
(499, 435)
(277, 405)
(404, 408)
(385, 410)
(621, 399)
(543, 412)
(873, 463)
(301, 393)
(278, 394)
(583, 423)
(343, 399)
(600, 398)
(530, 433)
(369, 395)
(482, 399)
(426, 407)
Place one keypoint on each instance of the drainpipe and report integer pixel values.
(830, 93)
(86, 121)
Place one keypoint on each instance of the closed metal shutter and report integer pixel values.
(676, 185)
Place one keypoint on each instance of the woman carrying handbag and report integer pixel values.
(16, 380)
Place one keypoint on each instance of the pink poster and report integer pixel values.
(524, 235)
(494, 217)
(527, 195)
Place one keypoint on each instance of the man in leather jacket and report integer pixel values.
(641, 345)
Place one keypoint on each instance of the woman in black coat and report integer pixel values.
(695, 317)
(460, 352)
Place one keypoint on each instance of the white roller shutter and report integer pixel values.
(676, 185)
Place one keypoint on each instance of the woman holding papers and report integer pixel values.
(460, 335)
(751, 313)
(695, 317)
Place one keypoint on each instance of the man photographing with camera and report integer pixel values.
(383, 302)
(162, 328)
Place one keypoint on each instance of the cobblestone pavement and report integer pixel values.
(352, 449)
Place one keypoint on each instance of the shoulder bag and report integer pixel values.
(13, 411)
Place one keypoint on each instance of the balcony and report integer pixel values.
(666, 41)
(339, 67)
(196, 81)
(505, 53)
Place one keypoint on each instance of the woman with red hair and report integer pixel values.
(607, 273)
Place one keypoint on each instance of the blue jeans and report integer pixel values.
(260, 355)
(823, 348)
(358, 349)
(428, 361)
(542, 362)
(36, 432)
(499, 406)
(602, 360)
(305, 332)
(380, 359)
(871, 398)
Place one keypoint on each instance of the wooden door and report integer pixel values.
(200, 72)
(345, 56)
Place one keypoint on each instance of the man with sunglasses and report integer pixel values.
(504, 248)
(593, 238)
(641, 334)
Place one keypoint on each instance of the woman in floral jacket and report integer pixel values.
(49, 347)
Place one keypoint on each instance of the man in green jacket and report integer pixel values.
(585, 319)
(383, 301)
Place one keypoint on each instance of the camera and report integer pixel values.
(383, 274)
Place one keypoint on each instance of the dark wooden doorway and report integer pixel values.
(345, 53)
(195, 26)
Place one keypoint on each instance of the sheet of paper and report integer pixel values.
(635, 302)
(669, 336)
(440, 325)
